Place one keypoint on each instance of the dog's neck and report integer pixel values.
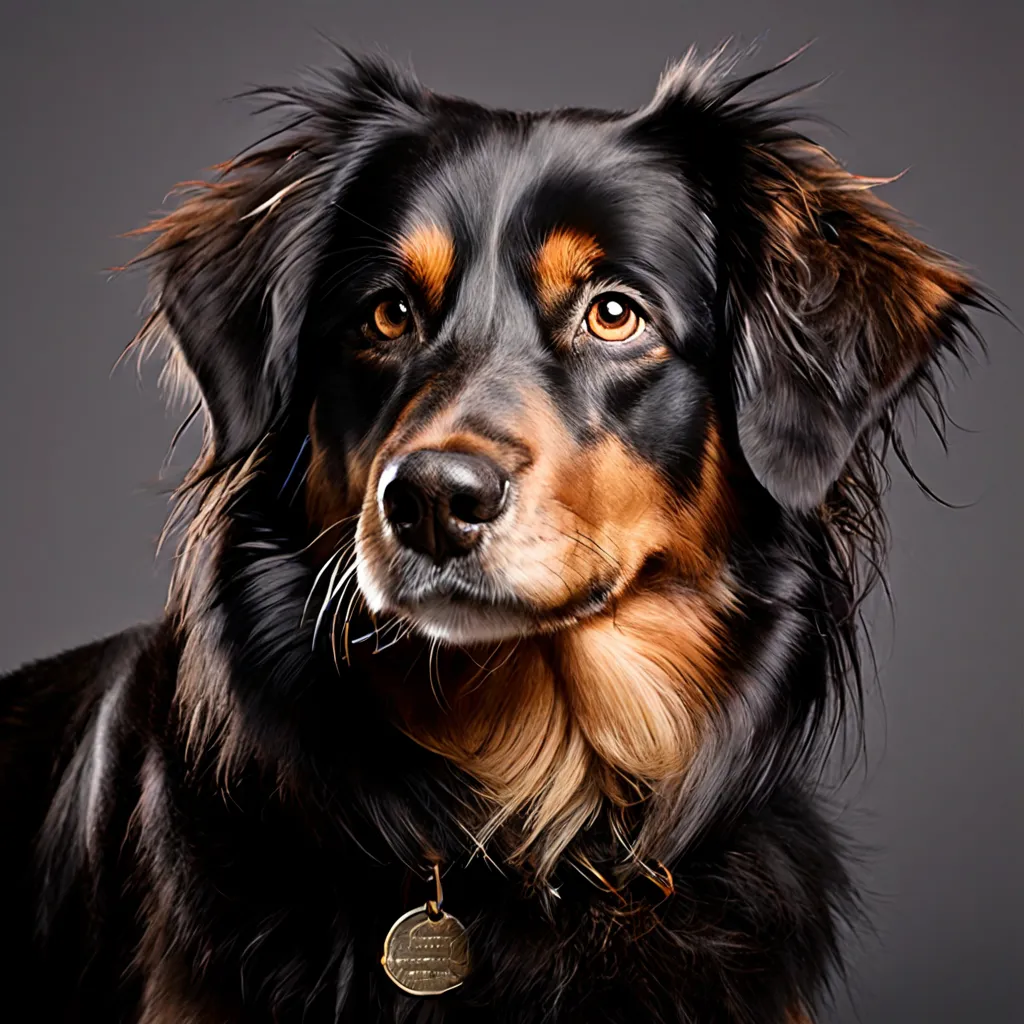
(555, 731)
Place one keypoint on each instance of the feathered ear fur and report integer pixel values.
(833, 310)
(233, 265)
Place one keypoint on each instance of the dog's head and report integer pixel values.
(530, 345)
(552, 364)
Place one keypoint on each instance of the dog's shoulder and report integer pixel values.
(49, 710)
(45, 703)
(58, 719)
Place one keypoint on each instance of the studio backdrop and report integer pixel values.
(106, 104)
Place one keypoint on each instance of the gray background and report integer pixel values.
(107, 104)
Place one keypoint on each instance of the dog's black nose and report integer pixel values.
(438, 502)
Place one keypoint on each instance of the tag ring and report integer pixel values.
(434, 906)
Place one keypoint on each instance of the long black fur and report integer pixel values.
(245, 862)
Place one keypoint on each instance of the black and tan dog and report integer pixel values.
(540, 488)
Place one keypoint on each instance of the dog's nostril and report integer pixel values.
(474, 508)
(402, 505)
(464, 508)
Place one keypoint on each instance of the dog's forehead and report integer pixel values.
(512, 185)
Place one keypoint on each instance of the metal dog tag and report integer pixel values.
(425, 951)
(426, 955)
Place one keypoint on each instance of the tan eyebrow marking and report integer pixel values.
(566, 258)
(429, 255)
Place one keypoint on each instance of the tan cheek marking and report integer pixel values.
(584, 516)
(543, 556)
(630, 507)
(429, 255)
(596, 515)
(564, 261)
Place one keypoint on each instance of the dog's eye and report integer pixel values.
(613, 317)
(390, 318)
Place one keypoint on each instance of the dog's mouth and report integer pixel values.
(464, 603)
(467, 551)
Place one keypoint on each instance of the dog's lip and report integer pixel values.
(419, 591)
(463, 594)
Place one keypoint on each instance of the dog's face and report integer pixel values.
(527, 347)
(514, 388)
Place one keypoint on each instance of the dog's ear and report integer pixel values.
(833, 310)
(232, 266)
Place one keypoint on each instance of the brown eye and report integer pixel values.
(614, 318)
(390, 317)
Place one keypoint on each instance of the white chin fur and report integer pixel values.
(442, 620)
(455, 624)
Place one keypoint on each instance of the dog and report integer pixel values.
(515, 601)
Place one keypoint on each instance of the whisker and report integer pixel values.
(477, 681)
(401, 635)
(388, 236)
(343, 581)
(432, 664)
(334, 561)
(356, 594)
(339, 593)
(333, 591)
(326, 530)
(397, 624)
(591, 545)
